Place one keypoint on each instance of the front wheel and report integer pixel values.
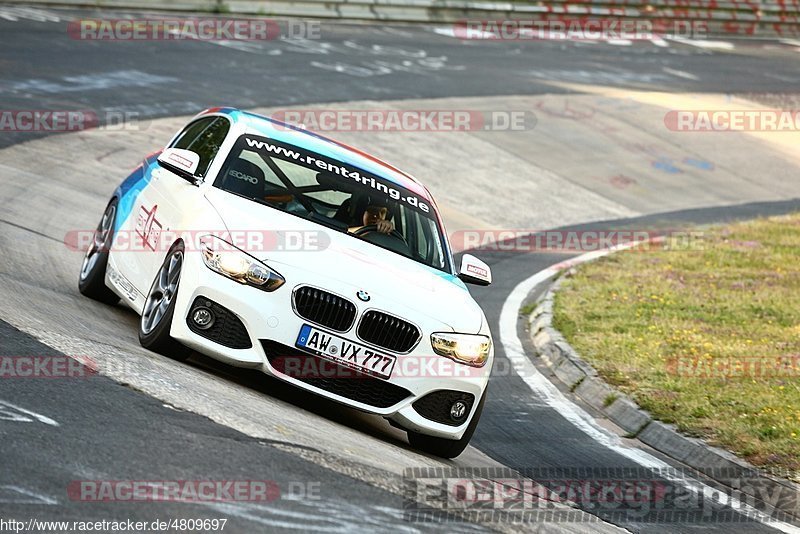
(159, 308)
(92, 279)
(443, 447)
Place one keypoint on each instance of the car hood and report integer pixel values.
(344, 264)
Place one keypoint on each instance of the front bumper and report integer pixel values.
(271, 324)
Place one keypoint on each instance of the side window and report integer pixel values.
(204, 137)
(192, 132)
(208, 143)
(427, 245)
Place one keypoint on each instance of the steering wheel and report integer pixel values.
(374, 228)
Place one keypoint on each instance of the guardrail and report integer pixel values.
(743, 18)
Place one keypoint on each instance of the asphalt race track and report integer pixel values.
(595, 155)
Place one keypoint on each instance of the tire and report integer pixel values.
(92, 278)
(159, 308)
(447, 448)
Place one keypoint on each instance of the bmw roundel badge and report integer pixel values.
(363, 295)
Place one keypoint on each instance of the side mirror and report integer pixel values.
(474, 271)
(180, 161)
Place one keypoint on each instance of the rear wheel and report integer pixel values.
(447, 448)
(92, 279)
(159, 308)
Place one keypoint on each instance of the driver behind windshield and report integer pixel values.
(375, 215)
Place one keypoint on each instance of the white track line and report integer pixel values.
(553, 397)
(39, 417)
(680, 73)
(701, 43)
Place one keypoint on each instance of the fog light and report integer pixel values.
(458, 410)
(203, 318)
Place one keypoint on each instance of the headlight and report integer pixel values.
(465, 348)
(227, 260)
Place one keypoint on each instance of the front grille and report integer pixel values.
(436, 406)
(324, 308)
(332, 377)
(227, 329)
(388, 331)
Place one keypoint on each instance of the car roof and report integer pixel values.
(309, 140)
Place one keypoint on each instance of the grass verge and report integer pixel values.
(706, 338)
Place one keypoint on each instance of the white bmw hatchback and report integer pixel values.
(268, 246)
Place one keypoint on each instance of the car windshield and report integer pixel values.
(342, 197)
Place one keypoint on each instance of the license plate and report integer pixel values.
(344, 352)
